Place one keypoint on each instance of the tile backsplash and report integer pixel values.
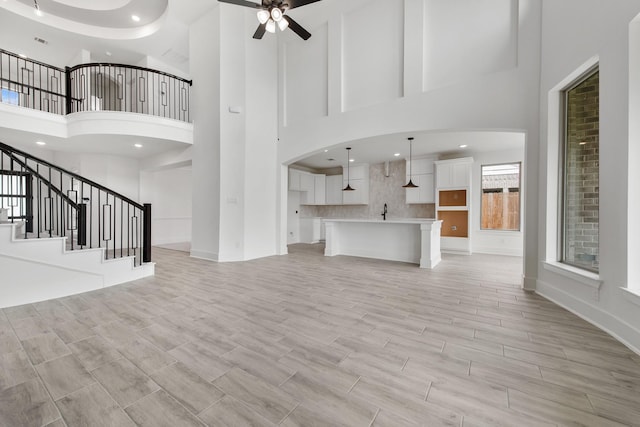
(382, 189)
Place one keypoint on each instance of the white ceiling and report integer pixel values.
(103, 13)
(101, 26)
(117, 145)
(437, 144)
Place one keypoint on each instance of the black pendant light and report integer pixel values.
(410, 184)
(348, 187)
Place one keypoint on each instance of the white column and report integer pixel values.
(331, 239)
(430, 255)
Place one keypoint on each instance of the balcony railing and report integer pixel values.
(93, 87)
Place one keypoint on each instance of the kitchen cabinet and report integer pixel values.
(333, 190)
(421, 175)
(358, 178)
(320, 189)
(312, 186)
(294, 179)
(453, 203)
(454, 173)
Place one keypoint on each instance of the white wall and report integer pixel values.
(170, 195)
(293, 217)
(120, 174)
(494, 241)
(575, 34)
(235, 213)
(499, 93)
(204, 54)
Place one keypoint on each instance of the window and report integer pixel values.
(9, 97)
(500, 205)
(580, 174)
(13, 194)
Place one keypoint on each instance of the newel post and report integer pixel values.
(146, 234)
(67, 87)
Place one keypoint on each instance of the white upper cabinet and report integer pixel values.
(333, 190)
(422, 176)
(425, 193)
(358, 178)
(320, 189)
(294, 179)
(311, 186)
(455, 173)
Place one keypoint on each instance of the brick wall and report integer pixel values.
(581, 193)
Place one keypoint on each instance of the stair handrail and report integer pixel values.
(35, 173)
(7, 148)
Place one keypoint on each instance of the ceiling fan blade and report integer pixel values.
(244, 3)
(262, 28)
(297, 28)
(297, 3)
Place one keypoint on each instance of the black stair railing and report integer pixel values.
(55, 202)
(93, 87)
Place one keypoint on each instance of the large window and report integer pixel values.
(580, 173)
(500, 197)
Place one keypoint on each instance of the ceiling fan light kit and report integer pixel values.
(272, 12)
(263, 16)
(271, 26)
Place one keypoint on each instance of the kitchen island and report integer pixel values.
(413, 240)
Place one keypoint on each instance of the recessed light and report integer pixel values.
(107, 53)
(397, 154)
(326, 151)
(137, 145)
(463, 146)
(41, 143)
(352, 160)
(135, 18)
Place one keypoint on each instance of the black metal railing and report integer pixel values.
(117, 87)
(32, 84)
(93, 87)
(54, 202)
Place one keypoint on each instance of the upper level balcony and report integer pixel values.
(93, 99)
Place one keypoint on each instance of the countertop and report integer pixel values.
(388, 221)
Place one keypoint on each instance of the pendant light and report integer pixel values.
(410, 184)
(348, 187)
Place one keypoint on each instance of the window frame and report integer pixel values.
(519, 229)
(562, 166)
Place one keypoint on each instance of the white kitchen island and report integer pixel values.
(408, 240)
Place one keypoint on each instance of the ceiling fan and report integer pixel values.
(272, 13)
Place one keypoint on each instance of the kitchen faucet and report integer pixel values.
(384, 213)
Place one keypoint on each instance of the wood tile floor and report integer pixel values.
(304, 340)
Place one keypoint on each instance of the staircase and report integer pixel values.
(62, 234)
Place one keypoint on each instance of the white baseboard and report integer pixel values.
(529, 283)
(498, 251)
(614, 326)
(209, 256)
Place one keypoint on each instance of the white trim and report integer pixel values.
(583, 277)
(631, 295)
(529, 283)
(208, 256)
(599, 318)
